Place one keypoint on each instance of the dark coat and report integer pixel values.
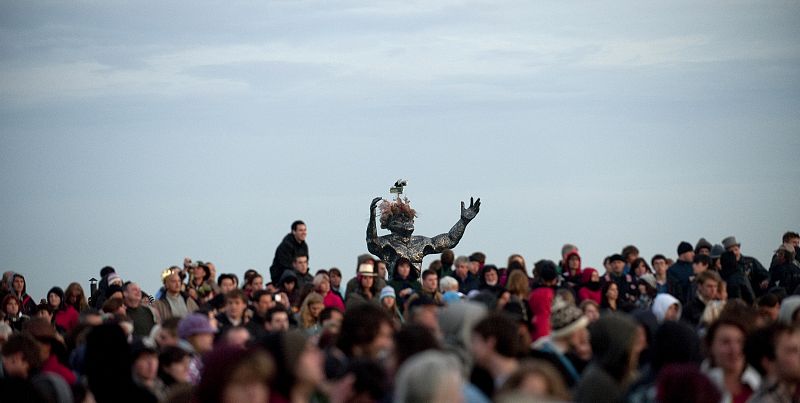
(284, 256)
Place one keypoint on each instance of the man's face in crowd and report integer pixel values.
(301, 264)
(227, 285)
(474, 267)
(279, 322)
(660, 266)
(264, 304)
(173, 283)
(617, 266)
(708, 289)
(300, 232)
(133, 295)
(736, 251)
(462, 269)
(795, 242)
(430, 283)
(704, 251)
(235, 308)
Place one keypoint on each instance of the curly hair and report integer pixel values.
(390, 208)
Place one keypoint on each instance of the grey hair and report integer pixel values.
(448, 283)
(422, 377)
(459, 260)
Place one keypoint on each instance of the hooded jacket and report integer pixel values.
(586, 291)
(605, 380)
(26, 303)
(661, 305)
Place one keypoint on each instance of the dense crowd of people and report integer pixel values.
(710, 325)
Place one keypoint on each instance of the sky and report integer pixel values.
(133, 134)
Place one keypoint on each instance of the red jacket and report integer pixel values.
(66, 319)
(541, 302)
(584, 292)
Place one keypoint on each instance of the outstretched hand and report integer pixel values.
(468, 214)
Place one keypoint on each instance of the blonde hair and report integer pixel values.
(305, 310)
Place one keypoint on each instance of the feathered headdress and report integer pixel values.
(399, 206)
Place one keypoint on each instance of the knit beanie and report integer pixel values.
(565, 318)
(387, 292)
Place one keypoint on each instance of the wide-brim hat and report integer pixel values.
(366, 270)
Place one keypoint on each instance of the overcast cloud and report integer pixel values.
(135, 134)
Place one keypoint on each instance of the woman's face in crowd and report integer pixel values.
(403, 270)
(179, 370)
(388, 302)
(727, 348)
(490, 277)
(640, 270)
(574, 263)
(595, 276)
(12, 307)
(73, 297)
(54, 300)
(18, 284)
(258, 283)
(612, 293)
(315, 309)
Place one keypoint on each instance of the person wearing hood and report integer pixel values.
(616, 349)
(19, 287)
(288, 285)
(65, 317)
(666, 307)
(404, 281)
(490, 280)
(571, 272)
(590, 286)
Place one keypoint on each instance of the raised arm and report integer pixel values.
(372, 229)
(450, 239)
